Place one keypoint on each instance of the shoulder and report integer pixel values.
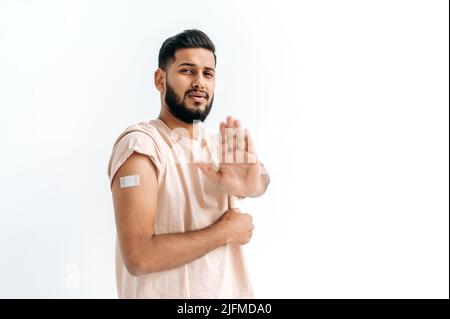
(142, 132)
(139, 138)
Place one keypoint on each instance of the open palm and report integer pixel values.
(239, 171)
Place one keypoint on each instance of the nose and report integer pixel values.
(199, 82)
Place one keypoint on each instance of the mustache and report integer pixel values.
(198, 91)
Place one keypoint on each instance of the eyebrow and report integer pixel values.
(192, 64)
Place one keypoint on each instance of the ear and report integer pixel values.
(160, 80)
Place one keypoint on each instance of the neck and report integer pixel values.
(173, 123)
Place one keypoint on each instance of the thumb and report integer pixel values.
(209, 171)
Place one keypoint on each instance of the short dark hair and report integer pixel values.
(185, 40)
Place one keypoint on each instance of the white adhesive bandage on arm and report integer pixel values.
(129, 181)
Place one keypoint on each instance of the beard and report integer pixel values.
(181, 111)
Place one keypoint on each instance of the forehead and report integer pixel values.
(198, 56)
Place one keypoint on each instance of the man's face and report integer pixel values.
(190, 83)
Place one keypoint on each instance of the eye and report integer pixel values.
(209, 74)
(187, 71)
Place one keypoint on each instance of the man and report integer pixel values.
(177, 236)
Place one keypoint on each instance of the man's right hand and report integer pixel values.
(239, 226)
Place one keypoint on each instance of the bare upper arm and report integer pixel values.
(135, 207)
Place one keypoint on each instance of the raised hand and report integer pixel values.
(239, 171)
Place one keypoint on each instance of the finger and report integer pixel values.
(250, 153)
(240, 138)
(250, 158)
(234, 145)
(230, 121)
(240, 147)
(237, 155)
(222, 141)
(222, 128)
(229, 147)
(236, 126)
(249, 145)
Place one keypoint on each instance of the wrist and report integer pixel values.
(222, 228)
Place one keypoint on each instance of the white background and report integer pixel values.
(348, 102)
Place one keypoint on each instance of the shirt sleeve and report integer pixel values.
(138, 142)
